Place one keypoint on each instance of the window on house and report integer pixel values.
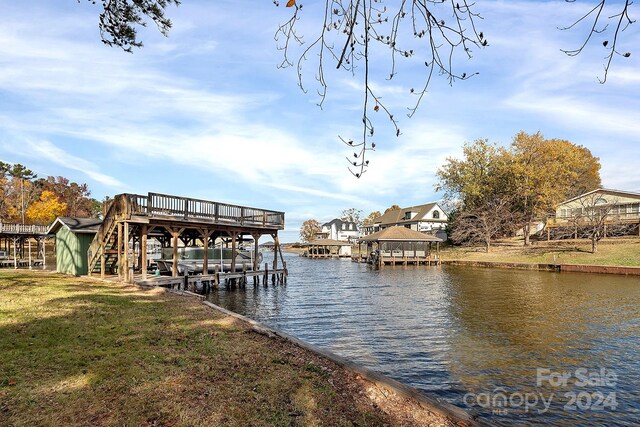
(344, 226)
(436, 214)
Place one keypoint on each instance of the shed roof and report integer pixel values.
(76, 225)
(328, 242)
(396, 234)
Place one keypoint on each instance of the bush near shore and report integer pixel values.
(78, 352)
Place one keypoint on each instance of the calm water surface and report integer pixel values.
(470, 336)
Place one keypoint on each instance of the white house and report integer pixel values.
(428, 218)
(338, 229)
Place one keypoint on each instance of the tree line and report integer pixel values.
(494, 191)
(27, 199)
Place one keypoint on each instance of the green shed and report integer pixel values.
(73, 237)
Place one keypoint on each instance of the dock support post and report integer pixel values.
(143, 251)
(44, 253)
(126, 251)
(265, 279)
(119, 251)
(234, 253)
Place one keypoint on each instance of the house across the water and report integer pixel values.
(338, 229)
(429, 218)
(618, 211)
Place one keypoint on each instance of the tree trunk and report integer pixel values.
(594, 245)
(487, 244)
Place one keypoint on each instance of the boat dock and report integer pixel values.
(16, 248)
(120, 245)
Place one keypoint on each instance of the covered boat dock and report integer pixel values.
(328, 248)
(400, 246)
(120, 245)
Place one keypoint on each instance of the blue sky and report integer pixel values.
(207, 113)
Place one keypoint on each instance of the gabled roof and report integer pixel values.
(399, 234)
(603, 190)
(338, 222)
(397, 216)
(76, 225)
(328, 242)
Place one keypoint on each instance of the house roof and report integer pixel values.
(397, 216)
(328, 242)
(338, 222)
(76, 225)
(603, 190)
(399, 234)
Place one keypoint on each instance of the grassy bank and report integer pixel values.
(81, 352)
(620, 252)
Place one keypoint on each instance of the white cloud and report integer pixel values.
(54, 154)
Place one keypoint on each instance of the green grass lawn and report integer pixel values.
(81, 352)
(610, 252)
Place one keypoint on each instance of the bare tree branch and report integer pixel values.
(356, 26)
(600, 25)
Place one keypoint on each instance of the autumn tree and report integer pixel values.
(479, 174)
(371, 217)
(533, 174)
(46, 209)
(309, 229)
(546, 172)
(352, 215)
(75, 196)
(392, 208)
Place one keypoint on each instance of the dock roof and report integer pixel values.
(399, 234)
(328, 242)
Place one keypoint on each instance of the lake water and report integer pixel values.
(515, 347)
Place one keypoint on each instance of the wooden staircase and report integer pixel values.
(106, 239)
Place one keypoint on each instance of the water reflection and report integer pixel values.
(452, 330)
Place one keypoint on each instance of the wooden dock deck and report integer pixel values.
(120, 245)
(15, 241)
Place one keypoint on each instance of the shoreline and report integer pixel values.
(560, 268)
(444, 409)
(167, 369)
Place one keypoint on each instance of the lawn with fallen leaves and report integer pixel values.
(77, 352)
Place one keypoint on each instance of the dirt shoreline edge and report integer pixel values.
(444, 409)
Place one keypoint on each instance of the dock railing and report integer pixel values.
(23, 229)
(155, 204)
